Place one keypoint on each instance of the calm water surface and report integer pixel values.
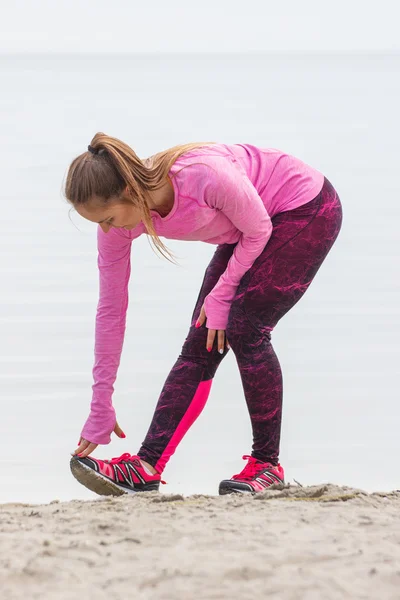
(339, 347)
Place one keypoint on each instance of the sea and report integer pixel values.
(338, 347)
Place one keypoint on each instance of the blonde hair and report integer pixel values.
(111, 167)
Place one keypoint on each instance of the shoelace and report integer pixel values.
(117, 459)
(253, 467)
(126, 457)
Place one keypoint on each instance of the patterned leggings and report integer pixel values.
(301, 239)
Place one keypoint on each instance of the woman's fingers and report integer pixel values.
(82, 446)
(210, 339)
(202, 317)
(118, 431)
(211, 333)
(88, 450)
(221, 341)
(84, 449)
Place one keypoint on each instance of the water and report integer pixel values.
(339, 347)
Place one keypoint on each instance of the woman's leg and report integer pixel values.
(300, 241)
(187, 387)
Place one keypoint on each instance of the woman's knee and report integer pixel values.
(242, 331)
(238, 327)
(195, 342)
(194, 351)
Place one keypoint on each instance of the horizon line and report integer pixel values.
(385, 52)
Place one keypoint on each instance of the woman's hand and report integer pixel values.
(85, 447)
(212, 333)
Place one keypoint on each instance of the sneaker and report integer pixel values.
(255, 477)
(122, 475)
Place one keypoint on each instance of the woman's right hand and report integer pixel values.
(85, 447)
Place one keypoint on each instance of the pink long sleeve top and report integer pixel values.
(226, 194)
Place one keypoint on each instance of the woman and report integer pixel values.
(273, 219)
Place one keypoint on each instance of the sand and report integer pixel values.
(317, 542)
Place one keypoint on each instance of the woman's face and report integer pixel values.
(113, 214)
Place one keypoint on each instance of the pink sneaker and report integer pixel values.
(114, 477)
(255, 477)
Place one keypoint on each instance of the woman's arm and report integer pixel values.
(229, 190)
(114, 270)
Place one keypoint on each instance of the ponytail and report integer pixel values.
(111, 168)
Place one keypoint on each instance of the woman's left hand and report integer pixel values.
(85, 447)
(212, 333)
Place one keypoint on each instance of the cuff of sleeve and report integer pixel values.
(99, 427)
(217, 313)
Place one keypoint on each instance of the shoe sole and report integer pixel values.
(227, 488)
(100, 484)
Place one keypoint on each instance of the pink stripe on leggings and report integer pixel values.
(193, 411)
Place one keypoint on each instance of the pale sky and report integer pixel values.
(199, 25)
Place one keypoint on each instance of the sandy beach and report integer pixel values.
(319, 542)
